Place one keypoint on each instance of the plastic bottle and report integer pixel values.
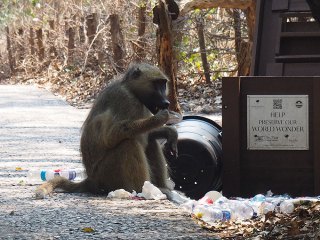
(208, 213)
(241, 209)
(286, 206)
(223, 204)
(47, 174)
(150, 191)
(257, 204)
(226, 213)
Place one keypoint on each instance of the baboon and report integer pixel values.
(119, 144)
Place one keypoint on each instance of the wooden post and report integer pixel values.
(40, 44)
(31, 41)
(203, 50)
(52, 48)
(166, 62)
(141, 41)
(82, 37)
(12, 61)
(71, 45)
(231, 126)
(92, 24)
(117, 41)
(21, 45)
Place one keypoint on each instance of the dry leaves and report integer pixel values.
(303, 223)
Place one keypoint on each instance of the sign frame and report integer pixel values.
(278, 122)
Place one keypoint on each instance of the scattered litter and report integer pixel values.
(149, 191)
(120, 193)
(275, 216)
(87, 230)
(215, 207)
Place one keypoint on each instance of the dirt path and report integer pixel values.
(39, 130)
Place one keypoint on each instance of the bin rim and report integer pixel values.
(203, 118)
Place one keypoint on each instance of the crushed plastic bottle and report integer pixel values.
(286, 207)
(47, 174)
(208, 213)
(120, 193)
(149, 191)
(241, 209)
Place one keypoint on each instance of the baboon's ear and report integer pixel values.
(136, 73)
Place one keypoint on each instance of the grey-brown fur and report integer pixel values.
(119, 137)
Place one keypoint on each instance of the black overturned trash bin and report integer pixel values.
(198, 168)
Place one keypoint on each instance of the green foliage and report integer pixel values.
(14, 9)
(34, 2)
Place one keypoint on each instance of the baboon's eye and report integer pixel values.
(160, 84)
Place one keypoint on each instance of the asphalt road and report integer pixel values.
(39, 130)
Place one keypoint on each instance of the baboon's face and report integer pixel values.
(149, 85)
(157, 97)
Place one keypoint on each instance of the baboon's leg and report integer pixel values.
(126, 168)
(157, 162)
(112, 136)
(159, 170)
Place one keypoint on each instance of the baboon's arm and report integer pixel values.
(112, 133)
(168, 133)
(165, 132)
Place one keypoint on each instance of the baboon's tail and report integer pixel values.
(64, 184)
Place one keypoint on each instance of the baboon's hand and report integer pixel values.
(171, 149)
(162, 116)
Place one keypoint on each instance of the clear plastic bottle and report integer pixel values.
(241, 209)
(226, 213)
(47, 174)
(286, 206)
(208, 213)
(257, 204)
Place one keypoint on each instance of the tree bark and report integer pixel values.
(243, 48)
(190, 5)
(92, 24)
(40, 44)
(71, 45)
(52, 49)
(203, 50)
(237, 37)
(82, 37)
(31, 41)
(141, 41)
(117, 39)
(92, 30)
(21, 45)
(12, 61)
(166, 57)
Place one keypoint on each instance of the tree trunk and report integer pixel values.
(237, 38)
(21, 49)
(52, 49)
(203, 50)
(244, 48)
(40, 44)
(141, 41)
(92, 30)
(31, 41)
(117, 39)
(71, 45)
(92, 24)
(82, 37)
(12, 61)
(166, 57)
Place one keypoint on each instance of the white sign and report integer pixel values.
(277, 122)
